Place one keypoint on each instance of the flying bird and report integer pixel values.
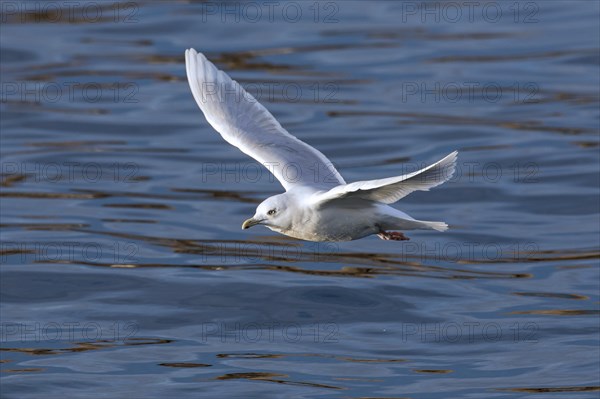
(318, 205)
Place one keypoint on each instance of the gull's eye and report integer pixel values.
(271, 212)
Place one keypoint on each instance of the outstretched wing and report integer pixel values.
(392, 189)
(246, 124)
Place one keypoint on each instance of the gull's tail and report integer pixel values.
(439, 226)
(395, 219)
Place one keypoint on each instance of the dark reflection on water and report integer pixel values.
(125, 271)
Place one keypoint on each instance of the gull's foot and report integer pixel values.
(392, 235)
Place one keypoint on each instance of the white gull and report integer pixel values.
(318, 205)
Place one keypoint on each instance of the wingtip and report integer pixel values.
(189, 56)
(192, 53)
(448, 165)
(195, 64)
(451, 158)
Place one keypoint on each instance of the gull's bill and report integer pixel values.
(250, 222)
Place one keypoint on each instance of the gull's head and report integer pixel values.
(272, 212)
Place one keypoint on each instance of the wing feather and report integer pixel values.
(246, 124)
(392, 189)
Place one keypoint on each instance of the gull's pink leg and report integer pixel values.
(392, 235)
